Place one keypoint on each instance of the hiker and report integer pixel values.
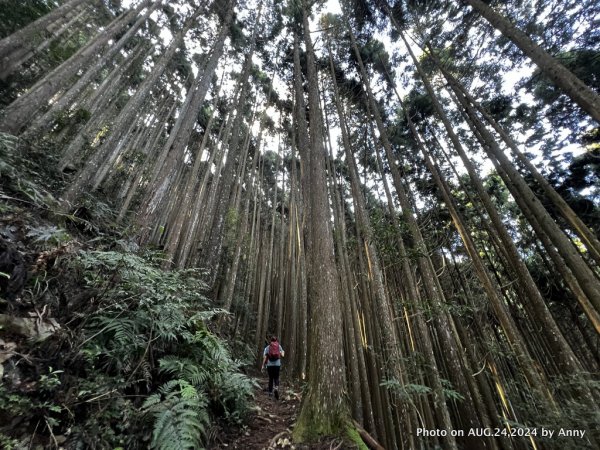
(272, 361)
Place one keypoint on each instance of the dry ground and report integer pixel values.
(271, 423)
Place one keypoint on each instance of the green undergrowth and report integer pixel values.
(30, 179)
(138, 366)
(101, 348)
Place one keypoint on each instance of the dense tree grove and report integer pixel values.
(404, 191)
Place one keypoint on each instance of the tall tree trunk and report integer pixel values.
(191, 228)
(184, 210)
(141, 171)
(429, 277)
(303, 229)
(577, 90)
(562, 350)
(515, 338)
(227, 298)
(324, 410)
(21, 38)
(587, 236)
(382, 303)
(522, 193)
(213, 250)
(21, 55)
(184, 126)
(353, 348)
(20, 112)
(95, 170)
(46, 120)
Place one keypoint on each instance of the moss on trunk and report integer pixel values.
(313, 424)
(332, 420)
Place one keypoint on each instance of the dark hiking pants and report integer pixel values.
(273, 372)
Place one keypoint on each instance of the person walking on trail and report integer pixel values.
(272, 361)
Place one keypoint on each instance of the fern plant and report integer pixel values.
(180, 416)
(48, 235)
(146, 315)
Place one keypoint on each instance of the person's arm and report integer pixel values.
(281, 351)
(264, 363)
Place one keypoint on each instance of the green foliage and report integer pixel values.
(21, 404)
(51, 380)
(405, 391)
(7, 443)
(180, 416)
(374, 53)
(60, 51)
(49, 235)
(70, 118)
(419, 106)
(409, 391)
(499, 107)
(236, 34)
(450, 393)
(143, 369)
(208, 364)
(22, 174)
(585, 64)
(573, 414)
(153, 315)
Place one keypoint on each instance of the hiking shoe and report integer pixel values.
(276, 394)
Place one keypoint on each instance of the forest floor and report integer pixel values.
(271, 423)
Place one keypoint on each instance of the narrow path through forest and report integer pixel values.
(270, 424)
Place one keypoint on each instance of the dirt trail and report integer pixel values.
(270, 425)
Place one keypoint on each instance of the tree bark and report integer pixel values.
(20, 112)
(428, 277)
(47, 119)
(522, 193)
(21, 38)
(23, 54)
(382, 303)
(95, 170)
(324, 410)
(587, 236)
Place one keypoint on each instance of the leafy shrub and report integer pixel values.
(135, 365)
(147, 315)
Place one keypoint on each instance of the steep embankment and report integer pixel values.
(99, 346)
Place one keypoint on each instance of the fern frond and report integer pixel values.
(180, 418)
(184, 368)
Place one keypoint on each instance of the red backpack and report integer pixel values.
(273, 353)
